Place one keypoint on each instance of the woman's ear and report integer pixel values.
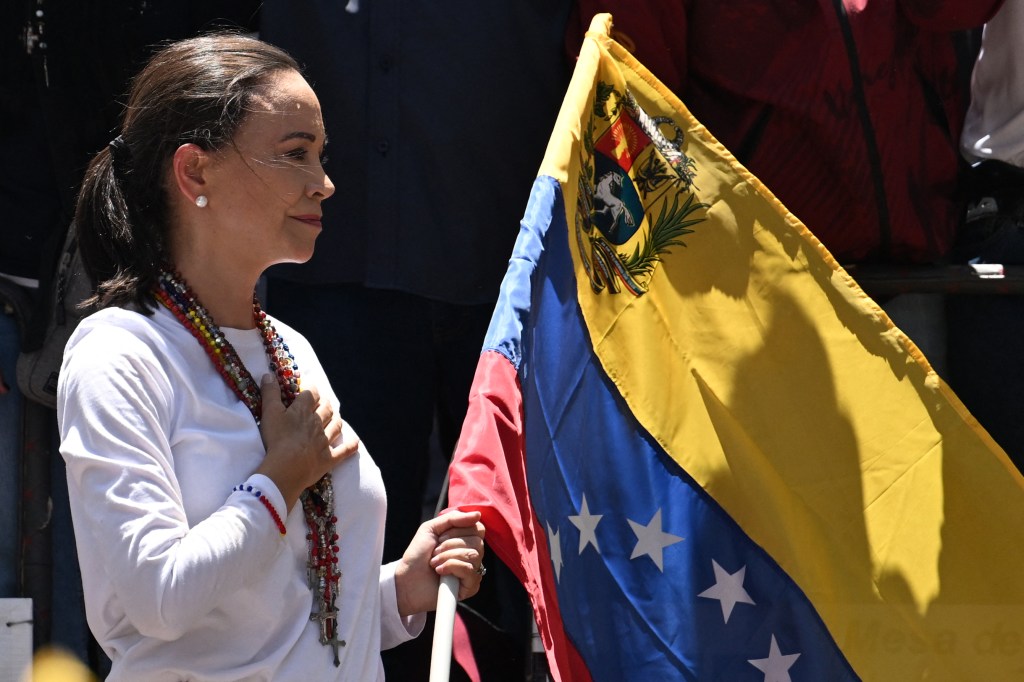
(189, 166)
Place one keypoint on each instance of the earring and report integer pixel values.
(202, 201)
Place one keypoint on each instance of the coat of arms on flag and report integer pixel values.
(627, 167)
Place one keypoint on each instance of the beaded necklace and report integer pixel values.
(317, 500)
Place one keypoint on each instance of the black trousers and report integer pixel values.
(986, 332)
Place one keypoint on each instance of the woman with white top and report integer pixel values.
(229, 523)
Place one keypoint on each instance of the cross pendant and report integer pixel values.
(335, 643)
(329, 616)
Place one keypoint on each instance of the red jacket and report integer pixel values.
(848, 110)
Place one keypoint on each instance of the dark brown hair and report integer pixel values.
(192, 91)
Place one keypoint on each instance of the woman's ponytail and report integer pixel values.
(121, 266)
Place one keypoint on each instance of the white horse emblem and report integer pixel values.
(608, 202)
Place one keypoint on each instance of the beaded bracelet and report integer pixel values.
(266, 503)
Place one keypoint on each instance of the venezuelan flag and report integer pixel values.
(707, 454)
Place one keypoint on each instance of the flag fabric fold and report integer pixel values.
(702, 449)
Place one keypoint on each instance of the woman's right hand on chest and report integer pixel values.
(298, 439)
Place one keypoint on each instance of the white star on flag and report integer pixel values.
(776, 666)
(587, 523)
(650, 540)
(556, 552)
(728, 589)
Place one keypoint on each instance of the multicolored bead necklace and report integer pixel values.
(317, 500)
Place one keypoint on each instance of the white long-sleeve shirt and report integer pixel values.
(185, 579)
(994, 125)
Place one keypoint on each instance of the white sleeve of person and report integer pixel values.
(163, 566)
(394, 629)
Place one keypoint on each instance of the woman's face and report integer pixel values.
(266, 187)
